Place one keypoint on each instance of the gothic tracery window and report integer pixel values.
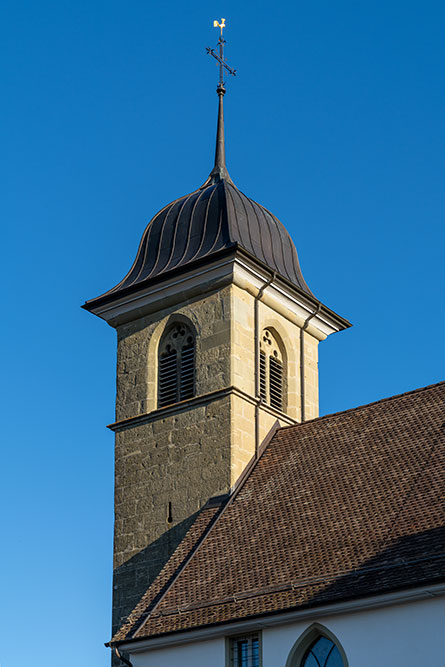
(322, 653)
(176, 365)
(272, 371)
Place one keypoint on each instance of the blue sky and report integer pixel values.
(335, 122)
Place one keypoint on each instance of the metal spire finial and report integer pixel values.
(219, 170)
(220, 57)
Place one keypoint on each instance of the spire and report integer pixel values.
(219, 171)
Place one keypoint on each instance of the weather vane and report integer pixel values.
(219, 57)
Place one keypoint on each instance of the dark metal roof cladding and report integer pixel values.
(209, 220)
(214, 218)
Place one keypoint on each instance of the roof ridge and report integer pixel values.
(364, 405)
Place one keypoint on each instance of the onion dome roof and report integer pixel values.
(209, 220)
(215, 218)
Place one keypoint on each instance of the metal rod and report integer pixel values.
(221, 61)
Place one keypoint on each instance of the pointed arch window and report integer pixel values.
(176, 365)
(317, 647)
(323, 652)
(272, 371)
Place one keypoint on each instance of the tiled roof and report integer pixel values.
(344, 506)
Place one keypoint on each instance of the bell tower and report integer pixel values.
(217, 342)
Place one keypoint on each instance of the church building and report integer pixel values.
(248, 530)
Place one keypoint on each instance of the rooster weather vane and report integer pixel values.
(219, 57)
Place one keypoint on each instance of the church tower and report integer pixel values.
(217, 342)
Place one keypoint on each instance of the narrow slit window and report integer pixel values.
(271, 371)
(169, 512)
(176, 366)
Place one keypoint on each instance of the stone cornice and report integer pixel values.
(197, 401)
(288, 301)
(236, 268)
(162, 294)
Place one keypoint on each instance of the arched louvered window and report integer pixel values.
(176, 365)
(322, 653)
(272, 371)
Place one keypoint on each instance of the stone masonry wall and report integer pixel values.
(168, 468)
(165, 472)
(136, 391)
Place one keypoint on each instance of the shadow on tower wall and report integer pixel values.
(132, 578)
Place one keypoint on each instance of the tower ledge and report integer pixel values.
(232, 266)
